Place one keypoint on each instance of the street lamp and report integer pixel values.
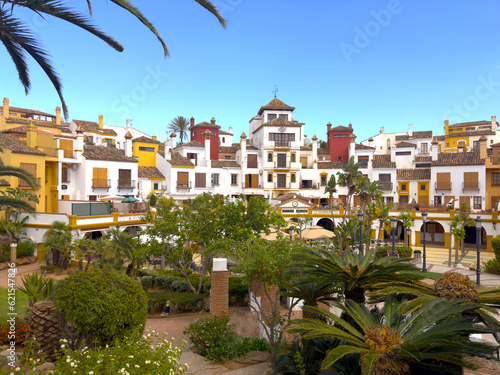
(408, 234)
(361, 215)
(394, 226)
(478, 242)
(424, 220)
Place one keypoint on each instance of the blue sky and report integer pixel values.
(369, 63)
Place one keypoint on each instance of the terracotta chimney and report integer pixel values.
(494, 123)
(328, 126)
(482, 146)
(128, 144)
(58, 115)
(212, 121)
(231, 129)
(381, 130)
(191, 122)
(350, 126)
(154, 138)
(446, 124)
(5, 107)
(100, 121)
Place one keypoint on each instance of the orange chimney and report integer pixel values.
(5, 107)
(446, 124)
(31, 135)
(100, 121)
(212, 121)
(191, 122)
(58, 116)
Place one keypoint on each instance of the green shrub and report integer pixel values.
(209, 333)
(180, 286)
(157, 301)
(404, 251)
(495, 243)
(145, 272)
(186, 301)
(234, 349)
(165, 282)
(25, 249)
(101, 305)
(49, 269)
(147, 282)
(492, 266)
(143, 355)
(238, 289)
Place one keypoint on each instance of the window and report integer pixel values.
(403, 199)
(227, 157)
(31, 168)
(194, 134)
(475, 146)
(292, 178)
(252, 161)
(234, 179)
(363, 161)
(223, 139)
(183, 179)
(215, 179)
(422, 187)
(495, 178)
(92, 198)
(389, 200)
(65, 175)
(100, 178)
(340, 135)
(212, 133)
(323, 180)
(471, 180)
(424, 148)
(292, 157)
(400, 153)
(193, 156)
(443, 181)
(403, 187)
(385, 181)
(200, 180)
(107, 141)
(67, 146)
(284, 116)
(271, 117)
(270, 156)
(156, 186)
(477, 203)
(147, 149)
(340, 157)
(88, 139)
(269, 177)
(124, 178)
(282, 139)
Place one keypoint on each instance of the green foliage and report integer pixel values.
(495, 244)
(210, 332)
(58, 245)
(142, 355)
(237, 348)
(180, 286)
(153, 199)
(181, 301)
(165, 282)
(147, 282)
(492, 266)
(37, 287)
(403, 251)
(101, 305)
(49, 269)
(238, 289)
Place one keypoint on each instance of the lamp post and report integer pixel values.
(408, 234)
(361, 215)
(424, 220)
(478, 242)
(394, 226)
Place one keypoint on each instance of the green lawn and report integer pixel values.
(21, 304)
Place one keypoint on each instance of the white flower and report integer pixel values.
(147, 362)
(91, 372)
(63, 346)
(72, 364)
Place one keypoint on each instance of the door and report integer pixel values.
(281, 161)
(281, 181)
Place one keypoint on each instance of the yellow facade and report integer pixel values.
(146, 152)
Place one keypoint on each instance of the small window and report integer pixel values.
(270, 156)
(234, 179)
(292, 177)
(424, 148)
(323, 180)
(156, 186)
(227, 157)
(340, 157)
(212, 133)
(271, 117)
(422, 187)
(93, 198)
(269, 177)
(194, 134)
(223, 139)
(215, 179)
(403, 187)
(284, 116)
(389, 200)
(496, 178)
(147, 149)
(477, 203)
(292, 157)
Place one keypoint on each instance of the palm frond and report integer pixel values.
(208, 5)
(13, 202)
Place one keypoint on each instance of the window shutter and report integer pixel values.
(200, 180)
(443, 180)
(183, 179)
(465, 200)
(471, 180)
(252, 161)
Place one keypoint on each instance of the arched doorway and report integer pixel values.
(434, 235)
(326, 223)
(95, 235)
(470, 237)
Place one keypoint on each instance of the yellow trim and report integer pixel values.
(183, 166)
(323, 173)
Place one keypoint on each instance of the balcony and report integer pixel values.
(385, 185)
(282, 144)
(282, 165)
(101, 183)
(445, 185)
(471, 186)
(126, 184)
(184, 186)
(282, 185)
(308, 184)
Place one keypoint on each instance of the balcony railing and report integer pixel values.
(470, 186)
(126, 184)
(101, 183)
(310, 185)
(446, 185)
(184, 186)
(282, 186)
(282, 165)
(385, 185)
(282, 143)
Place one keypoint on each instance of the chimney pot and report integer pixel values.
(154, 138)
(350, 126)
(191, 121)
(212, 121)
(381, 130)
(101, 121)
(58, 115)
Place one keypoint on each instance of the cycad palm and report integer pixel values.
(179, 125)
(436, 335)
(19, 40)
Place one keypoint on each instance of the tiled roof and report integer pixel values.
(438, 138)
(323, 151)
(4, 182)
(495, 145)
(150, 172)
(341, 128)
(205, 124)
(331, 164)
(252, 148)
(48, 124)
(470, 133)
(229, 150)
(413, 174)
(458, 159)
(106, 153)
(179, 160)
(192, 144)
(222, 132)
(224, 164)
(18, 147)
(383, 161)
(145, 140)
(94, 127)
(405, 144)
(276, 104)
(358, 146)
(415, 135)
(281, 122)
(161, 149)
(30, 111)
(290, 196)
(423, 159)
(472, 123)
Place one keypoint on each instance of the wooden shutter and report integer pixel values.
(247, 177)
(465, 200)
(303, 161)
(183, 179)
(252, 161)
(357, 201)
(31, 168)
(443, 180)
(448, 198)
(64, 174)
(100, 176)
(343, 199)
(423, 200)
(282, 181)
(471, 180)
(67, 146)
(124, 178)
(200, 180)
(282, 160)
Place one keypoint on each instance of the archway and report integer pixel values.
(470, 237)
(133, 230)
(95, 235)
(434, 235)
(326, 223)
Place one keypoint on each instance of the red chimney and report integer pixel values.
(191, 121)
(212, 121)
(350, 126)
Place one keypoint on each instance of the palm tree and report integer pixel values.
(434, 337)
(123, 246)
(383, 218)
(331, 188)
(58, 244)
(356, 273)
(180, 126)
(349, 177)
(19, 40)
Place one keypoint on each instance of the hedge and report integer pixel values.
(403, 251)
(181, 301)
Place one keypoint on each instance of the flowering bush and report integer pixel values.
(211, 332)
(132, 356)
(6, 335)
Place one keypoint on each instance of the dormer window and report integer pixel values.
(284, 117)
(271, 117)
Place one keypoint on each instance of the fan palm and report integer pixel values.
(349, 177)
(434, 336)
(179, 125)
(19, 40)
(58, 244)
(331, 187)
(355, 272)
(123, 246)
